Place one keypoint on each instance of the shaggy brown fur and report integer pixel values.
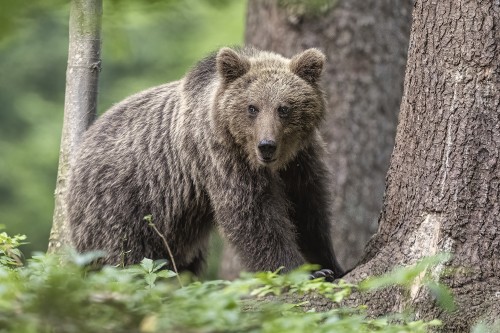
(234, 144)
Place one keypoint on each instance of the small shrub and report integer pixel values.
(10, 256)
(59, 295)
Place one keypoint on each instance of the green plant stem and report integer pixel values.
(152, 225)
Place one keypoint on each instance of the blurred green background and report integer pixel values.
(145, 43)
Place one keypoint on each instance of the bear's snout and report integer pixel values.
(267, 148)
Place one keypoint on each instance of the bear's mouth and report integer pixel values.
(266, 161)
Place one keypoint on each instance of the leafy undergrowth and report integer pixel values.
(59, 294)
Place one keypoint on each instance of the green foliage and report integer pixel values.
(404, 276)
(10, 255)
(55, 294)
(416, 275)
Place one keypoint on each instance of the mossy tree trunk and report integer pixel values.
(443, 184)
(84, 64)
(366, 43)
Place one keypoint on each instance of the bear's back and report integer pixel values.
(128, 167)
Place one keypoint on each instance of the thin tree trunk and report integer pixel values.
(366, 43)
(443, 185)
(84, 64)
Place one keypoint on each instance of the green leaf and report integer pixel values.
(150, 279)
(442, 294)
(403, 276)
(158, 264)
(166, 274)
(147, 264)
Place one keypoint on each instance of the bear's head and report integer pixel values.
(269, 105)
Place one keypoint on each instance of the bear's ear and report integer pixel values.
(231, 65)
(308, 65)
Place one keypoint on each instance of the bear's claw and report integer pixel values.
(324, 273)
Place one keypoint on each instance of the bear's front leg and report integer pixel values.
(306, 179)
(252, 214)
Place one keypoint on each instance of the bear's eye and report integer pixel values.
(252, 110)
(283, 111)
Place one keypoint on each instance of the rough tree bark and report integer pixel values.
(366, 43)
(80, 105)
(443, 184)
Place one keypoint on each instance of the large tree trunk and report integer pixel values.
(443, 191)
(80, 105)
(365, 42)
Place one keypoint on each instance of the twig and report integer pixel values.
(149, 219)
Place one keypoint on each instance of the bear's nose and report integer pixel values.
(267, 149)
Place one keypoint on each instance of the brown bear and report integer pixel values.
(233, 145)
